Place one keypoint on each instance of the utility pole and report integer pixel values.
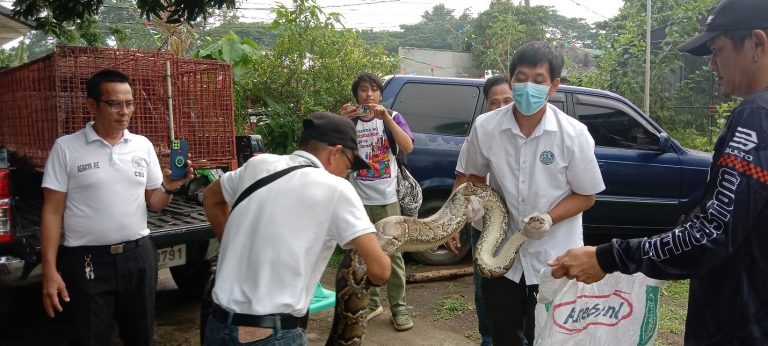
(647, 96)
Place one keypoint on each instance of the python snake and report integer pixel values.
(405, 234)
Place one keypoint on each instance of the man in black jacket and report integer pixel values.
(722, 245)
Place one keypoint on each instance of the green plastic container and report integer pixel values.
(322, 299)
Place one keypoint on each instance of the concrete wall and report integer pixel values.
(435, 62)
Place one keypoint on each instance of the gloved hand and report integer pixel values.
(475, 211)
(536, 226)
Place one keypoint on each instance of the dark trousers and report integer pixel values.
(483, 325)
(122, 289)
(511, 310)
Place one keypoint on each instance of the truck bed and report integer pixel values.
(181, 221)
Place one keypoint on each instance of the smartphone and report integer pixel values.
(179, 155)
(363, 110)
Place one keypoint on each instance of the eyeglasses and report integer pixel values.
(351, 161)
(117, 106)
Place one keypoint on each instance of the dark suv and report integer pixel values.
(650, 179)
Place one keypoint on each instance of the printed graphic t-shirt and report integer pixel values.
(377, 186)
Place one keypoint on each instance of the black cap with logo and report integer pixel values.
(729, 15)
(335, 130)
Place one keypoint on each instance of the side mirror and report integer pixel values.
(664, 142)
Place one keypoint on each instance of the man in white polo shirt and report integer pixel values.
(542, 161)
(97, 185)
(277, 241)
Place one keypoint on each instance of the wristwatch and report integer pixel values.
(167, 191)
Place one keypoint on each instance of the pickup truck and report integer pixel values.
(47, 101)
(651, 180)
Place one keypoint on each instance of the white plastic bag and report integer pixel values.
(618, 310)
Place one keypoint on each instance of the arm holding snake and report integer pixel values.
(378, 263)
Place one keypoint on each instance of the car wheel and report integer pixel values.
(441, 255)
(192, 278)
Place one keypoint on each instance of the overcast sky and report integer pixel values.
(390, 14)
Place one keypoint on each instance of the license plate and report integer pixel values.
(172, 256)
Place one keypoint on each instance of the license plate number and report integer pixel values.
(172, 256)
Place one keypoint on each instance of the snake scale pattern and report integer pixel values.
(402, 233)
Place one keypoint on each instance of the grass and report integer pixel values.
(474, 336)
(451, 306)
(672, 312)
(336, 257)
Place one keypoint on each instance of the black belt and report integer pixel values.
(285, 321)
(113, 249)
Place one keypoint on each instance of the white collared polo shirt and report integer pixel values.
(278, 241)
(105, 186)
(534, 174)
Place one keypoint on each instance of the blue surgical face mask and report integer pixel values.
(529, 97)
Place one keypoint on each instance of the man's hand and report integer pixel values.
(174, 185)
(348, 110)
(453, 244)
(578, 263)
(53, 286)
(380, 112)
(536, 226)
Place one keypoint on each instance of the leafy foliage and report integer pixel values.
(503, 27)
(571, 30)
(681, 85)
(55, 16)
(14, 56)
(310, 67)
(438, 29)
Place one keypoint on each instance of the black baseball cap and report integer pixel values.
(333, 129)
(729, 15)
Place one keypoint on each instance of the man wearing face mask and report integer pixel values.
(542, 161)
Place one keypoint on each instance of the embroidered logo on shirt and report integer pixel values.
(140, 165)
(547, 157)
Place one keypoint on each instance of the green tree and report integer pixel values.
(571, 30)
(390, 40)
(118, 24)
(438, 29)
(310, 67)
(57, 16)
(14, 56)
(678, 81)
(499, 30)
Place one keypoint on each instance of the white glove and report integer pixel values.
(475, 211)
(536, 226)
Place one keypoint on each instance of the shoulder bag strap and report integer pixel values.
(264, 181)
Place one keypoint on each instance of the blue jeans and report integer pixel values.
(224, 334)
(483, 325)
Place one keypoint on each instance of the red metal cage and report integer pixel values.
(45, 99)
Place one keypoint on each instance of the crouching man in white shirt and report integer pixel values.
(277, 241)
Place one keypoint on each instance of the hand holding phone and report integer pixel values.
(179, 155)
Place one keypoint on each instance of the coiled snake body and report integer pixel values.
(401, 233)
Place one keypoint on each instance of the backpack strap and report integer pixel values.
(264, 181)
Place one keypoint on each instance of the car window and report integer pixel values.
(438, 109)
(558, 100)
(612, 124)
